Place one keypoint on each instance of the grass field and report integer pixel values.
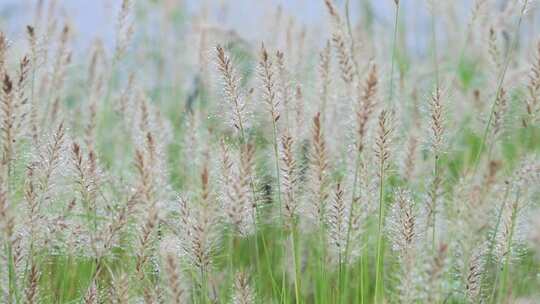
(184, 163)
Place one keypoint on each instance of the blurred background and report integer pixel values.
(173, 40)
(97, 18)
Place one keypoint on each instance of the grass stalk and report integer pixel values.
(379, 262)
(500, 82)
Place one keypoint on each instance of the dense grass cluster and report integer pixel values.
(186, 164)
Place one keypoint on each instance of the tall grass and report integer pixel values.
(331, 164)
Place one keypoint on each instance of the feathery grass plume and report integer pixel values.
(533, 89)
(267, 79)
(144, 254)
(42, 180)
(32, 41)
(113, 228)
(437, 128)
(7, 121)
(493, 50)
(242, 291)
(437, 123)
(95, 81)
(22, 83)
(151, 137)
(198, 237)
(150, 183)
(403, 225)
(148, 230)
(382, 153)
(499, 114)
(231, 91)
(88, 182)
(31, 198)
(31, 292)
(318, 170)
(409, 165)
(325, 82)
(337, 215)
(403, 231)
(119, 293)
(283, 86)
(478, 10)
(34, 106)
(299, 112)
(238, 201)
(289, 178)
(124, 28)
(176, 292)
(345, 60)
(474, 274)
(13, 111)
(383, 140)
(365, 106)
(126, 98)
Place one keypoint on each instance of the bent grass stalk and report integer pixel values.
(500, 82)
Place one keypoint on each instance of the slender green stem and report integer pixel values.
(380, 253)
(204, 286)
(364, 275)
(276, 156)
(295, 265)
(351, 213)
(434, 211)
(321, 288)
(492, 241)
(394, 42)
(340, 278)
